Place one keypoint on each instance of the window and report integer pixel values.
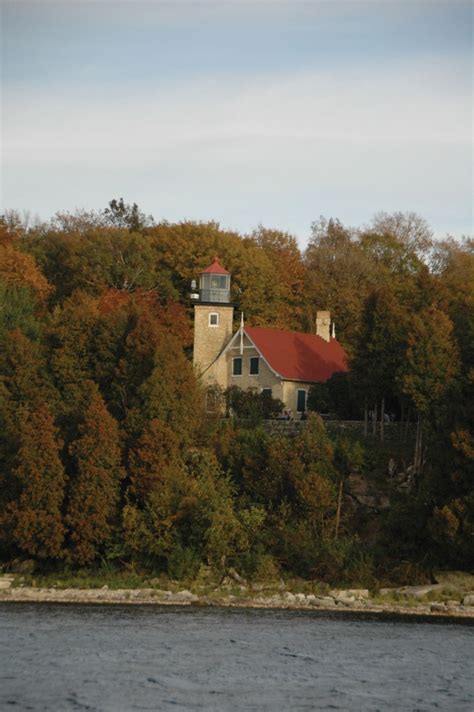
(300, 401)
(254, 361)
(237, 366)
(218, 282)
(213, 319)
(267, 392)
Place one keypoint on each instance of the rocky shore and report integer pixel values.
(408, 600)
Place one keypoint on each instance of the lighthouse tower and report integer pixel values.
(213, 315)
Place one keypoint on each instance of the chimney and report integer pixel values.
(323, 323)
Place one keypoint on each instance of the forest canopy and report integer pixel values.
(107, 453)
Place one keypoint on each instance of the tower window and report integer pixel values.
(213, 319)
(237, 366)
(254, 365)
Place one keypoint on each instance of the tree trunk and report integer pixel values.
(402, 418)
(382, 416)
(407, 424)
(366, 419)
(374, 421)
(420, 447)
(416, 457)
(338, 511)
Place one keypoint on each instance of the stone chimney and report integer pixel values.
(323, 324)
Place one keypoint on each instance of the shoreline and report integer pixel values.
(287, 601)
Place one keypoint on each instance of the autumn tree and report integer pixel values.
(94, 484)
(339, 277)
(32, 522)
(179, 509)
(282, 249)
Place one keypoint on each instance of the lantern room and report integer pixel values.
(214, 284)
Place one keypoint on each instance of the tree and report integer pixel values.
(380, 349)
(123, 215)
(407, 229)
(429, 369)
(339, 276)
(18, 269)
(32, 522)
(282, 249)
(252, 406)
(94, 484)
(431, 360)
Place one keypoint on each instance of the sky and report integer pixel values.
(245, 112)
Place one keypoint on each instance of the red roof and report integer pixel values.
(299, 357)
(216, 267)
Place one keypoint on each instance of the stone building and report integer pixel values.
(284, 363)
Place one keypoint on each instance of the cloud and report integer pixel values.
(240, 120)
(280, 150)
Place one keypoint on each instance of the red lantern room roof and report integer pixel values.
(215, 268)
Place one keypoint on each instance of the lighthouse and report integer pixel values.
(213, 314)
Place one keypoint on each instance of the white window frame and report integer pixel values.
(237, 358)
(302, 390)
(213, 326)
(258, 365)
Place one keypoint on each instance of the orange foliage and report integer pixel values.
(35, 517)
(156, 452)
(19, 269)
(94, 487)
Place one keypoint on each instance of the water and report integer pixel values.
(117, 658)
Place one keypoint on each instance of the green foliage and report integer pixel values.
(17, 311)
(338, 396)
(250, 405)
(107, 455)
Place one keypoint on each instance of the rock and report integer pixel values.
(345, 600)
(419, 591)
(185, 596)
(356, 593)
(6, 581)
(237, 577)
(324, 602)
(452, 604)
(388, 591)
(358, 488)
(310, 598)
(468, 600)
(104, 588)
(438, 608)
(300, 597)
(289, 597)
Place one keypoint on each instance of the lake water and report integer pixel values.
(74, 657)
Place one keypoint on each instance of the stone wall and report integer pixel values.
(391, 430)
